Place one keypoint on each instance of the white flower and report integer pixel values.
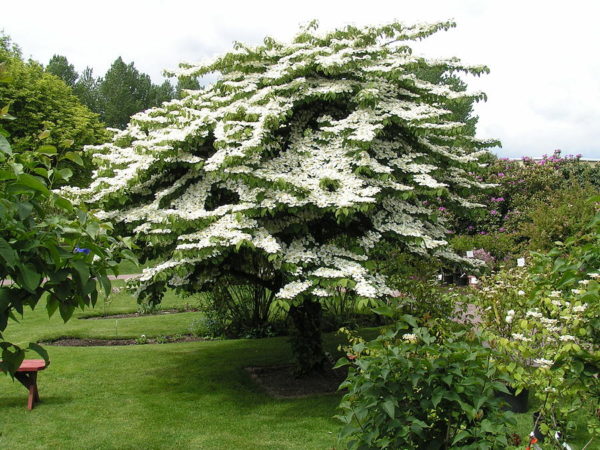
(521, 293)
(580, 308)
(292, 289)
(594, 275)
(535, 314)
(509, 319)
(576, 291)
(520, 337)
(555, 294)
(567, 338)
(584, 282)
(410, 337)
(543, 363)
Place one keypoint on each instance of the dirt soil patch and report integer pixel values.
(79, 342)
(281, 381)
(124, 316)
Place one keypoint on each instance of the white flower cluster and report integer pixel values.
(290, 139)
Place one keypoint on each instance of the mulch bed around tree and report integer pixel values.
(80, 342)
(281, 381)
(124, 316)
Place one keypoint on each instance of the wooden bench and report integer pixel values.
(27, 376)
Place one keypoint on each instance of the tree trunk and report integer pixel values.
(306, 338)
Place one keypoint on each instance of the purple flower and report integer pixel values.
(501, 229)
(493, 212)
(441, 208)
(470, 227)
(82, 250)
(483, 232)
(501, 174)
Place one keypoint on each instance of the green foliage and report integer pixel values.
(502, 246)
(60, 66)
(125, 91)
(564, 215)
(238, 310)
(543, 320)
(87, 90)
(413, 387)
(185, 84)
(48, 248)
(40, 101)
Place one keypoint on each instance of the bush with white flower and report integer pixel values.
(543, 319)
(293, 165)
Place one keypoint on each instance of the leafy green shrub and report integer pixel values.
(503, 246)
(207, 325)
(146, 308)
(49, 249)
(565, 214)
(424, 300)
(411, 389)
(238, 310)
(543, 321)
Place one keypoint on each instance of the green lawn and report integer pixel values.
(185, 395)
(36, 326)
(181, 395)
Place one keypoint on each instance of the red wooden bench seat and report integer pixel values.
(27, 376)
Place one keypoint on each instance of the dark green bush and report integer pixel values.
(412, 389)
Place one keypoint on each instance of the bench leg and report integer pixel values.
(29, 380)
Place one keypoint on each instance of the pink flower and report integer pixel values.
(493, 212)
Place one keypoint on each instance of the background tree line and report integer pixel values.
(120, 93)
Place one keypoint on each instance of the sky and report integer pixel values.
(543, 89)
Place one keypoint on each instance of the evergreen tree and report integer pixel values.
(186, 84)
(87, 90)
(59, 66)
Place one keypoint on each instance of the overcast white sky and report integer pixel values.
(543, 90)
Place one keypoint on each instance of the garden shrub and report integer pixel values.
(501, 245)
(565, 214)
(239, 310)
(542, 320)
(422, 388)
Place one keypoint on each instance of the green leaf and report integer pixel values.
(63, 203)
(44, 134)
(64, 174)
(31, 277)
(72, 156)
(460, 436)
(83, 271)
(39, 350)
(436, 397)
(389, 407)
(66, 311)
(47, 149)
(24, 209)
(5, 298)
(7, 253)
(105, 282)
(51, 305)
(33, 182)
(5, 146)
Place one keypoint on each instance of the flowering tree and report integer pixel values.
(289, 169)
